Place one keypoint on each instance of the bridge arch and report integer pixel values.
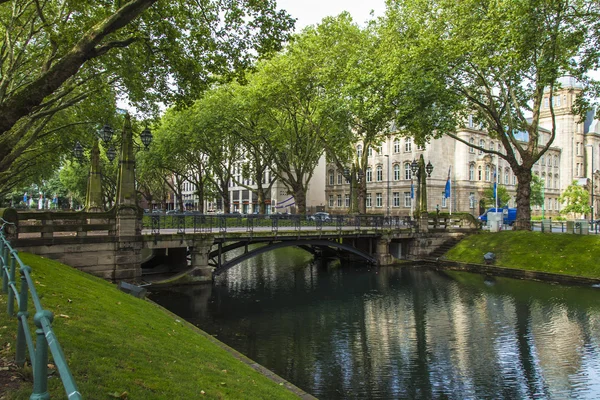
(298, 243)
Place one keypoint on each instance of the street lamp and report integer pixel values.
(592, 207)
(348, 177)
(419, 169)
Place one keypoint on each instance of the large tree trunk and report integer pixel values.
(361, 194)
(523, 199)
(300, 198)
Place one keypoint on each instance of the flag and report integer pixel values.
(412, 190)
(448, 184)
(495, 185)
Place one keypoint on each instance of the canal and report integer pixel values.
(387, 333)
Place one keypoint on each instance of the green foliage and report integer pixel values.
(490, 200)
(64, 64)
(116, 343)
(576, 199)
(489, 59)
(574, 255)
(537, 191)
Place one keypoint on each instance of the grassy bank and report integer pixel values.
(575, 255)
(120, 346)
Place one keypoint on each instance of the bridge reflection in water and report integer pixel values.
(388, 333)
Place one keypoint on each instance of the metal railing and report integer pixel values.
(222, 223)
(45, 337)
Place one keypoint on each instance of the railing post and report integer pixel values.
(40, 364)
(4, 272)
(11, 293)
(22, 314)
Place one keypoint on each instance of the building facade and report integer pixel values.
(471, 171)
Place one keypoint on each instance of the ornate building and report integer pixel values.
(471, 171)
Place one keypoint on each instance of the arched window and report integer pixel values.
(556, 161)
(487, 173)
(482, 145)
(359, 150)
(396, 172)
(331, 177)
(471, 172)
(471, 149)
(407, 171)
(369, 174)
(492, 146)
(379, 173)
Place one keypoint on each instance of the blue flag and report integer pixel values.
(448, 184)
(412, 190)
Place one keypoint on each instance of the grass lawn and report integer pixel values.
(118, 346)
(576, 255)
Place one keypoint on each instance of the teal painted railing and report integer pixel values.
(45, 337)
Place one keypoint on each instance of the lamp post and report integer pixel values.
(350, 178)
(592, 207)
(419, 169)
(388, 185)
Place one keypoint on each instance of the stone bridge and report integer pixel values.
(116, 246)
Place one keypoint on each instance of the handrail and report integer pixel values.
(45, 337)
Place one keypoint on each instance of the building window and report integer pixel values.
(331, 177)
(396, 172)
(380, 149)
(396, 199)
(407, 171)
(471, 172)
(546, 102)
(555, 161)
(487, 173)
(506, 173)
(379, 173)
(330, 200)
(479, 173)
(339, 200)
(492, 146)
(578, 148)
(471, 121)
(368, 200)
(514, 179)
(472, 200)
(359, 150)
(471, 149)
(378, 200)
(347, 200)
(408, 145)
(556, 181)
(482, 145)
(370, 152)
(369, 175)
(444, 199)
(556, 101)
(407, 199)
(396, 145)
(339, 180)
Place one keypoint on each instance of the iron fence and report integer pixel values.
(45, 337)
(221, 223)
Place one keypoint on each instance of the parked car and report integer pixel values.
(509, 215)
(320, 216)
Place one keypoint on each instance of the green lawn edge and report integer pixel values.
(562, 254)
(119, 346)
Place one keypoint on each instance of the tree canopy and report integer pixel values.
(63, 63)
(495, 60)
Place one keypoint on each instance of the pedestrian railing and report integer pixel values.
(222, 223)
(45, 337)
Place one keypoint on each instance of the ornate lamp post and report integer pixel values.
(419, 169)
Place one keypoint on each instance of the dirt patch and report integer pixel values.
(11, 377)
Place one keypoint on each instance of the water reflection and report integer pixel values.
(392, 333)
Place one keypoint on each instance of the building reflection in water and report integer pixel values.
(387, 333)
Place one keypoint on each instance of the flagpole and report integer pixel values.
(496, 187)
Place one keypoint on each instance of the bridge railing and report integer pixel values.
(47, 224)
(198, 223)
(45, 337)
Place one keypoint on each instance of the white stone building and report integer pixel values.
(471, 171)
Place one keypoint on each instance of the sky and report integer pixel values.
(310, 12)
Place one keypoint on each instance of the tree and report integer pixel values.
(490, 199)
(537, 191)
(495, 60)
(55, 55)
(575, 199)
